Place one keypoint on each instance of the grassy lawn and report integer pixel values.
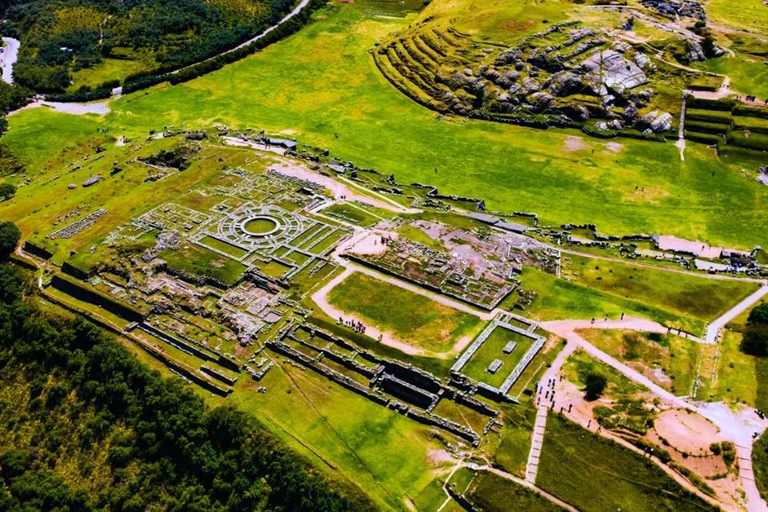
(675, 356)
(356, 214)
(492, 349)
(493, 493)
(595, 474)
(413, 318)
(335, 98)
(560, 299)
(696, 298)
(748, 74)
(748, 14)
(380, 450)
(736, 379)
(199, 261)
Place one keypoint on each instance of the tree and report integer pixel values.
(9, 237)
(755, 340)
(595, 385)
(7, 190)
(759, 315)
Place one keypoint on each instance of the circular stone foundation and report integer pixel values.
(253, 227)
(260, 226)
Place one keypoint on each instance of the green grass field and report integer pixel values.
(380, 450)
(492, 349)
(677, 357)
(413, 318)
(492, 493)
(748, 14)
(697, 299)
(199, 261)
(322, 85)
(748, 75)
(595, 474)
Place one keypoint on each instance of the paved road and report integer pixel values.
(8, 58)
(714, 328)
(119, 90)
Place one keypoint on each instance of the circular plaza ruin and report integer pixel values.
(259, 227)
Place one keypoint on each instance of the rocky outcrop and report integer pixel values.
(677, 8)
(615, 73)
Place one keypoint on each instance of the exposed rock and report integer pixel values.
(616, 73)
(541, 101)
(643, 61)
(576, 111)
(677, 8)
(531, 85)
(564, 83)
(509, 55)
(657, 122)
(630, 113)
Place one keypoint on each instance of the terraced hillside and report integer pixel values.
(610, 70)
(566, 75)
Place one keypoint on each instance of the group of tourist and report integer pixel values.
(355, 325)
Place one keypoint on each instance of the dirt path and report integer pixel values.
(713, 331)
(99, 108)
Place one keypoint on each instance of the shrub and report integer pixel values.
(9, 237)
(595, 384)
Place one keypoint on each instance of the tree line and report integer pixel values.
(63, 36)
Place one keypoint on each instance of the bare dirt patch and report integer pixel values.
(687, 431)
(573, 143)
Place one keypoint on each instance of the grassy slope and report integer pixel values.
(414, 318)
(494, 494)
(598, 288)
(674, 355)
(595, 474)
(746, 14)
(685, 295)
(321, 83)
(379, 449)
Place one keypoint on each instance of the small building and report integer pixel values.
(509, 347)
(283, 143)
(512, 226)
(495, 365)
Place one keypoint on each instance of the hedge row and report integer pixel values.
(711, 116)
(722, 105)
(703, 126)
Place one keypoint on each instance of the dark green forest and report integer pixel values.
(85, 426)
(62, 36)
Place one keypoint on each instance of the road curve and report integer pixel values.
(8, 58)
(296, 10)
(714, 328)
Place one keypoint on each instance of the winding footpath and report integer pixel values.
(737, 427)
